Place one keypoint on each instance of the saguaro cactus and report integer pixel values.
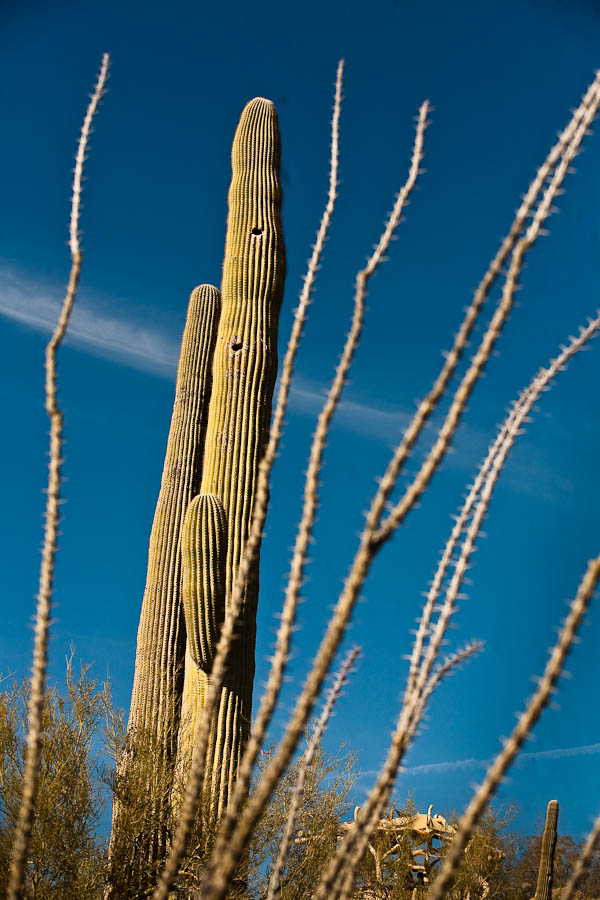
(244, 372)
(158, 680)
(543, 890)
(220, 424)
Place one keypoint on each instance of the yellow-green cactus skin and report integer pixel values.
(160, 651)
(159, 665)
(244, 373)
(543, 890)
(204, 548)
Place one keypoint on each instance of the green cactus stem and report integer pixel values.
(543, 890)
(159, 665)
(204, 551)
(244, 373)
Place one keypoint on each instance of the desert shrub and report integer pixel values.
(66, 852)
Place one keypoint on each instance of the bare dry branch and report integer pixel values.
(583, 861)
(338, 879)
(522, 729)
(42, 619)
(428, 405)
(230, 843)
(307, 759)
(414, 700)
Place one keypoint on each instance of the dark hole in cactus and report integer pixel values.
(237, 346)
(256, 231)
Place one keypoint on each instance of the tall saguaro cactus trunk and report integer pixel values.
(138, 839)
(543, 890)
(217, 521)
(220, 425)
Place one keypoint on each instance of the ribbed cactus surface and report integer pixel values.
(543, 890)
(204, 549)
(160, 643)
(244, 373)
(159, 665)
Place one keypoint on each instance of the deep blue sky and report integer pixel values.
(502, 78)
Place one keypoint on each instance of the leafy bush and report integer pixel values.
(66, 853)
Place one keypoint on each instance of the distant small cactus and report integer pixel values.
(543, 890)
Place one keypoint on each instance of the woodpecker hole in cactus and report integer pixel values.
(256, 231)
(236, 345)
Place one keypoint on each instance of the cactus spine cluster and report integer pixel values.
(220, 425)
(543, 889)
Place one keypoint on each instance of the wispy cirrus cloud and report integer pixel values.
(465, 765)
(472, 763)
(116, 331)
(94, 325)
(367, 419)
(121, 337)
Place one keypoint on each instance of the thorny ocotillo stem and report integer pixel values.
(228, 852)
(482, 292)
(348, 855)
(271, 693)
(371, 810)
(222, 867)
(521, 247)
(428, 405)
(508, 433)
(46, 582)
(527, 720)
(424, 620)
(305, 764)
(583, 861)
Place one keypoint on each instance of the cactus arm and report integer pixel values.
(161, 639)
(158, 678)
(203, 556)
(543, 890)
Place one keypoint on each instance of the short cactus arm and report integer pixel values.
(203, 557)
(543, 890)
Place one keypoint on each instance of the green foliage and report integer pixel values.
(329, 783)
(387, 863)
(487, 868)
(142, 792)
(327, 789)
(66, 856)
(566, 852)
